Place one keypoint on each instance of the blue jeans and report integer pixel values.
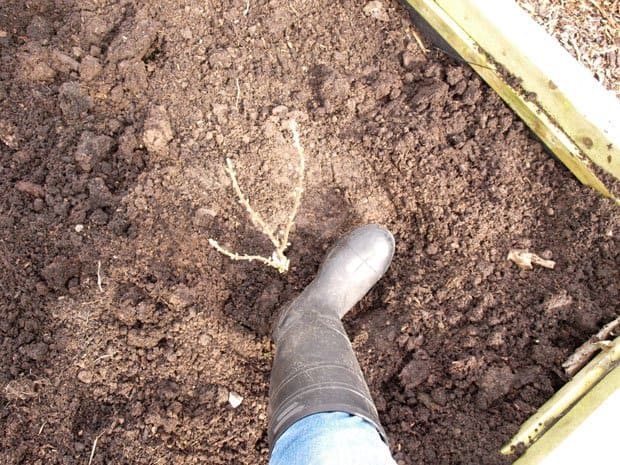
(332, 438)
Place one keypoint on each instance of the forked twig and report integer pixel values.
(280, 240)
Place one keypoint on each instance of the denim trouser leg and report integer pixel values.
(332, 438)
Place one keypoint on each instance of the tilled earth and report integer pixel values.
(122, 331)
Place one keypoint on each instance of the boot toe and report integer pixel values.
(372, 248)
(354, 265)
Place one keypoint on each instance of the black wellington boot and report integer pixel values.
(315, 369)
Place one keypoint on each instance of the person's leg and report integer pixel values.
(334, 438)
(315, 369)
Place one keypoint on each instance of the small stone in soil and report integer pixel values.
(205, 340)
(204, 216)
(234, 399)
(85, 376)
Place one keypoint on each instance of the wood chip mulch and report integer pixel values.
(588, 29)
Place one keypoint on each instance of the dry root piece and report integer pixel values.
(526, 260)
(279, 239)
(585, 352)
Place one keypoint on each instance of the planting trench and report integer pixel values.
(459, 346)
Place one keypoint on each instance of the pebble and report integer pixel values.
(187, 34)
(85, 376)
(234, 399)
(79, 228)
(181, 298)
(432, 249)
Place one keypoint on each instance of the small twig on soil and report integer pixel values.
(292, 8)
(92, 451)
(238, 96)
(247, 8)
(583, 354)
(99, 278)
(103, 356)
(417, 38)
(280, 241)
(576, 48)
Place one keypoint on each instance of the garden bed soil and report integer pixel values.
(123, 332)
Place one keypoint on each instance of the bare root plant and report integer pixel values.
(279, 238)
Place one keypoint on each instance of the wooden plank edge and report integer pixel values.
(565, 433)
(563, 400)
(561, 86)
(534, 117)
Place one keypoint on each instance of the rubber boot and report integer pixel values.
(315, 369)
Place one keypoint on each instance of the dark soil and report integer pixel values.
(115, 121)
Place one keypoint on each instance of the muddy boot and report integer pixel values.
(315, 369)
